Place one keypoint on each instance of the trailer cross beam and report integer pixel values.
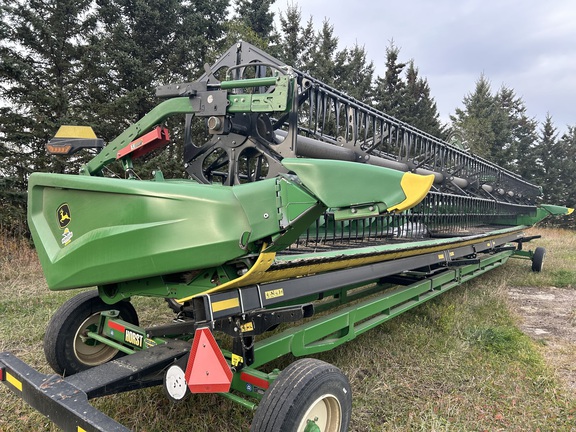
(63, 403)
(65, 400)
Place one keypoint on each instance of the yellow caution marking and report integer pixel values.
(14, 381)
(81, 429)
(248, 327)
(236, 359)
(274, 293)
(415, 187)
(75, 132)
(440, 256)
(570, 210)
(263, 263)
(225, 304)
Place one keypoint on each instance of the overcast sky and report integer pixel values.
(529, 46)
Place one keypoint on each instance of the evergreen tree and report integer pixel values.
(236, 30)
(518, 135)
(419, 108)
(256, 15)
(526, 148)
(388, 95)
(567, 178)
(321, 58)
(481, 121)
(199, 38)
(498, 128)
(354, 74)
(558, 164)
(139, 45)
(144, 43)
(515, 133)
(40, 55)
(295, 40)
(41, 47)
(550, 160)
(407, 99)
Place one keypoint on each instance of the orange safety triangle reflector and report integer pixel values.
(207, 370)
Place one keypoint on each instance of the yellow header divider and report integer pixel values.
(263, 263)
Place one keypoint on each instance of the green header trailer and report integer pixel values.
(304, 206)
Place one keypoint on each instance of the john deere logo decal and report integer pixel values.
(63, 215)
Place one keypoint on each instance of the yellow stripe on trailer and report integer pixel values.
(14, 381)
(225, 304)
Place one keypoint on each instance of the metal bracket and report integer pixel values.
(523, 240)
(256, 322)
(243, 328)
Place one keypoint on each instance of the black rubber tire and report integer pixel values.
(538, 259)
(62, 334)
(301, 386)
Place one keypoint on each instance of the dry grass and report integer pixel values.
(457, 363)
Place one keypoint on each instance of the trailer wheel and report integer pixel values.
(538, 259)
(66, 347)
(309, 395)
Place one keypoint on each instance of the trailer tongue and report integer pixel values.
(304, 200)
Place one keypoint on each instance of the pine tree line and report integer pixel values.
(495, 125)
(97, 63)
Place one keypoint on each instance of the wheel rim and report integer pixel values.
(325, 412)
(88, 351)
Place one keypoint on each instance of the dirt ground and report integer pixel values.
(548, 315)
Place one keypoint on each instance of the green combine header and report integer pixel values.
(302, 200)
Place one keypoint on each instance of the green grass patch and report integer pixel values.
(506, 341)
(563, 278)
